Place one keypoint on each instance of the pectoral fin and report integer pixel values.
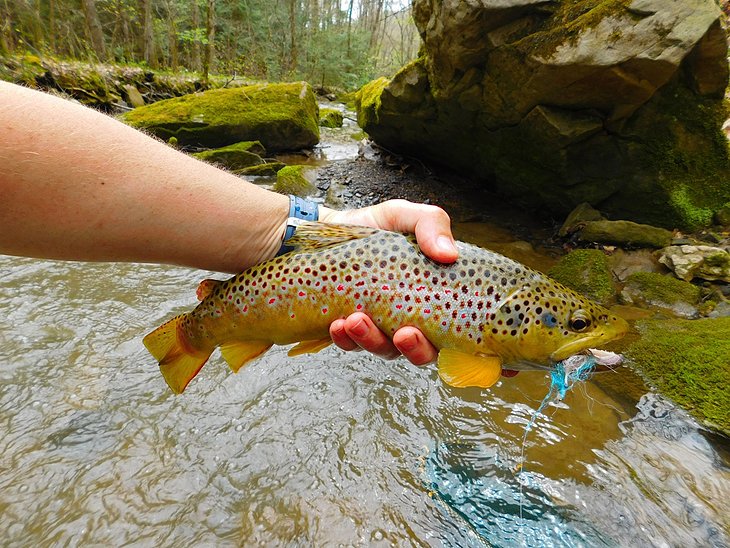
(460, 369)
(310, 347)
(239, 353)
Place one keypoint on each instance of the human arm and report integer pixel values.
(79, 185)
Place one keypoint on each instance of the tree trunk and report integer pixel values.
(94, 27)
(210, 46)
(195, 46)
(148, 40)
(293, 35)
(52, 25)
(172, 35)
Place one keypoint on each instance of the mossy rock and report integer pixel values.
(236, 156)
(280, 116)
(267, 169)
(722, 215)
(330, 117)
(687, 361)
(291, 180)
(625, 233)
(664, 291)
(586, 271)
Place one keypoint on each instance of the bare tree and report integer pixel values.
(95, 31)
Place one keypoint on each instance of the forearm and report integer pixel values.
(79, 185)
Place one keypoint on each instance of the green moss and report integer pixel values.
(687, 361)
(261, 170)
(330, 117)
(586, 271)
(663, 290)
(569, 19)
(291, 180)
(235, 156)
(281, 116)
(367, 102)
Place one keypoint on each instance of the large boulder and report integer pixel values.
(614, 103)
(280, 116)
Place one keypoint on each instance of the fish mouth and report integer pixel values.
(575, 347)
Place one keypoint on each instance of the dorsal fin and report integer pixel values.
(206, 287)
(320, 235)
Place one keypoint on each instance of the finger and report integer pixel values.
(414, 346)
(361, 329)
(430, 224)
(340, 336)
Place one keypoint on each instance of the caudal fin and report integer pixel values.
(179, 362)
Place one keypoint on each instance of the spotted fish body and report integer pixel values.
(481, 312)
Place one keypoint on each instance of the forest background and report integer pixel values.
(330, 43)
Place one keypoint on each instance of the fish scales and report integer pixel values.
(481, 312)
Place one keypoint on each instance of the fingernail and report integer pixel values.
(360, 329)
(445, 244)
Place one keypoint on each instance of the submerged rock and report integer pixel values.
(280, 116)
(624, 233)
(697, 261)
(687, 361)
(292, 180)
(236, 156)
(618, 104)
(586, 271)
(664, 291)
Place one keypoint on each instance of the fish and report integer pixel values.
(482, 313)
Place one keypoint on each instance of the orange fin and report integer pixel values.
(460, 369)
(239, 353)
(310, 347)
(206, 287)
(179, 362)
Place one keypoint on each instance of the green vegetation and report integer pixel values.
(291, 180)
(280, 116)
(687, 360)
(330, 117)
(663, 290)
(235, 156)
(586, 271)
(327, 42)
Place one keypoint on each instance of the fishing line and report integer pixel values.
(563, 377)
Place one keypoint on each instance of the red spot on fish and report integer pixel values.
(360, 283)
(426, 310)
(272, 301)
(399, 306)
(359, 306)
(292, 316)
(385, 287)
(420, 288)
(443, 323)
(245, 308)
(463, 316)
(340, 287)
(324, 311)
(302, 294)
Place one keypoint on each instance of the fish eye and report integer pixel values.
(579, 322)
(549, 319)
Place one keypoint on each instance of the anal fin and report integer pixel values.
(310, 347)
(239, 353)
(460, 369)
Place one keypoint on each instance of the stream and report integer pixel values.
(331, 449)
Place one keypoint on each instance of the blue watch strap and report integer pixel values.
(299, 208)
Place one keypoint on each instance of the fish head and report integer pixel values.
(544, 322)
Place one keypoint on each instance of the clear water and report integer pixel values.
(331, 449)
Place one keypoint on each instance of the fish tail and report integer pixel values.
(179, 361)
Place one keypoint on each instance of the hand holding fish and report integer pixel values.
(432, 228)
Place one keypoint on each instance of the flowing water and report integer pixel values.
(331, 449)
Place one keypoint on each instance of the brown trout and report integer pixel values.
(482, 312)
